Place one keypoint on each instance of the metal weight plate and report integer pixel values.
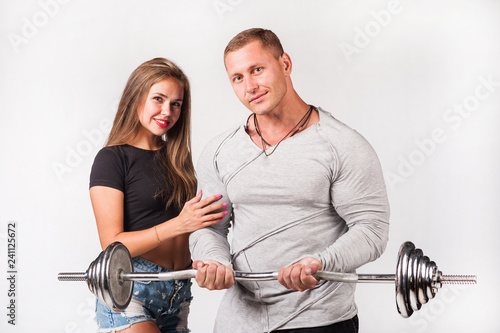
(432, 273)
(402, 288)
(399, 283)
(113, 291)
(93, 276)
(428, 279)
(120, 291)
(422, 280)
(413, 278)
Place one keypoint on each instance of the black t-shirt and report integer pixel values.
(135, 172)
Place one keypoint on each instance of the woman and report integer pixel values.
(138, 186)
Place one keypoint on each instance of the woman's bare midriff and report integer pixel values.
(172, 254)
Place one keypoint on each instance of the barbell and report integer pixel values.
(111, 278)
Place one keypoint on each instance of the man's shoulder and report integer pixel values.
(223, 136)
(334, 126)
(216, 142)
(338, 134)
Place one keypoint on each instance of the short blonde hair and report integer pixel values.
(267, 38)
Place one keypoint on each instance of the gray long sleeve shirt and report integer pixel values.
(320, 194)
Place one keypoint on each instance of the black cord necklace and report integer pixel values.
(302, 121)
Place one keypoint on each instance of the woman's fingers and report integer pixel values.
(195, 199)
(197, 203)
(207, 205)
(214, 207)
(210, 199)
(199, 213)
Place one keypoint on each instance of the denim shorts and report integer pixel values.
(165, 303)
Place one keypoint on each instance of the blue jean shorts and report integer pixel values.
(166, 303)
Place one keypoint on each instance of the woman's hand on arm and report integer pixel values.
(198, 213)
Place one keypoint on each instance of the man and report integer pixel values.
(305, 193)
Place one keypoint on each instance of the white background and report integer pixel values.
(399, 72)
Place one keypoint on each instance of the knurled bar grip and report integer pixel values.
(111, 277)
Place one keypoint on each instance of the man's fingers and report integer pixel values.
(284, 277)
(213, 276)
(218, 276)
(198, 264)
(229, 277)
(298, 276)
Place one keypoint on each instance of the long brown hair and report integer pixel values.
(175, 151)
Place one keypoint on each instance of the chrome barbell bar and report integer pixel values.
(111, 277)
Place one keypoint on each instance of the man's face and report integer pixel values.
(257, 77)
